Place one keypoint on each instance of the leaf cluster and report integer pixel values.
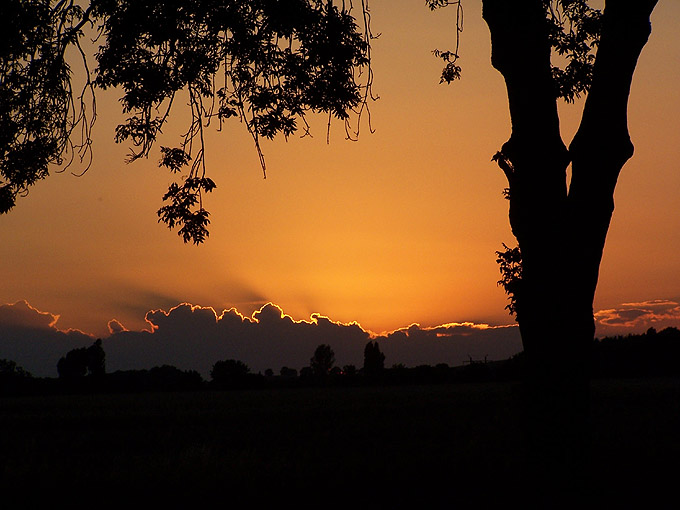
(510, 264)
(185, 209)
(38, 108)
(574, 33)
(451, 70)
(323, 360)
(265, 62)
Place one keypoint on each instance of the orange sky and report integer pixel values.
(399, 227)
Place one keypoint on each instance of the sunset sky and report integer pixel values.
(398, 228)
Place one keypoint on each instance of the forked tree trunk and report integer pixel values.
(561, 231)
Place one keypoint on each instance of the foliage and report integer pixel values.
(288, 372)
(323, 360)
(349, 370)
(451, 69)
(264, 62)
(510, 265)
(44, 121)
(374, 360)
(9, 369)
(168, 377)
(229, 371)
(574, 33)
(650, 354)
(83, 361)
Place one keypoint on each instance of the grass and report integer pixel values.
(446, 443)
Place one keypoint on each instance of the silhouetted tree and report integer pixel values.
(265, 63)
(654, 353)
(288, 372)
(229, 372)
(349, 370)
(561, 228)
(168, 377)
(12, 376)
(374, 360)
(229, 368)
(323, 360)
(73, 365)
(83, 361)
(96, 359)
(9, 369)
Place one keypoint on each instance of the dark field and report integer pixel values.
(448, 445)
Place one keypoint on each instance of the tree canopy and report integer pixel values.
(323, 360)
(83, 361)
(264, 62)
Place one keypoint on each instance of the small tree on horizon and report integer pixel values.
(229, 371)
(323, 360)
(84, 361)
(10, 369)
(374, 360)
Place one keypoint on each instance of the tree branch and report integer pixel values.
(520, 51)
(602, 143)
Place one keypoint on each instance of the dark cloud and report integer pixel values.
(193, 337)
(115, 326)
(31, 338)
(452, 343)
(21, 314)
(638, 316)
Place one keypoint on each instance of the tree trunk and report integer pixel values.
(561, 234)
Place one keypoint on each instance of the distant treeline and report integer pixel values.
(651, 354)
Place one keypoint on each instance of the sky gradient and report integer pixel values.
(395, 229)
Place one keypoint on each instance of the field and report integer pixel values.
(451, 445)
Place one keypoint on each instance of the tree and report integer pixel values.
(168, 377)
(82, 362)
(96, 359)
(288, 373)
(9, 369)
(323, 360)
(349, 370)
(73, 365)
(12, 376)
(264, 62)
(374, 360)
(561, 227)
(229, 372)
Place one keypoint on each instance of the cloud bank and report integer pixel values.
(193, 337)
(31, 338)
(658, 313)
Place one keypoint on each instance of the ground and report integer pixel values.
(444, 445)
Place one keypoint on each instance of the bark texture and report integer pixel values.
(561, 230)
